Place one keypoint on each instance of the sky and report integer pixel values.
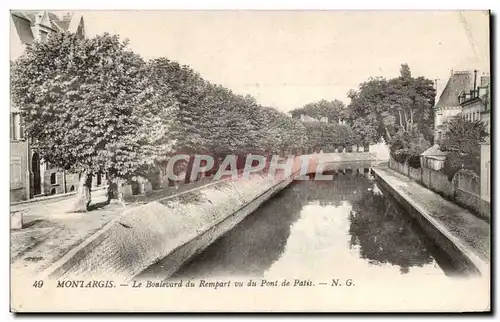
(286, 59)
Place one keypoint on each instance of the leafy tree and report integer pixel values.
(386, 106)
(90, 108)
(334, 110)
(212, 119)
(189, 90)
(328, 136)
(407, 146)
(462, 139)
(363, 131)
(463, 136)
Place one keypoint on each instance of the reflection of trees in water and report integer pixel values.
(253, 245)
(384, 235)
(346, 185)
(260, 239)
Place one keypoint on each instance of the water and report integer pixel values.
(346, 226)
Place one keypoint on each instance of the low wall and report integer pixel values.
(464, 189)
(349, 156)
(469, 182)
(439, 182)
(416, 174)
(173, 230)
(326, 158)
(474, 203)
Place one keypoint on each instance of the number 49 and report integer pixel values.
(38, 284)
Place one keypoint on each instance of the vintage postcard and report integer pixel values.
(250, 161)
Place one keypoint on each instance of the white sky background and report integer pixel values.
(286, 59)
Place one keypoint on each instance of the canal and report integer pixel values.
(347, 225)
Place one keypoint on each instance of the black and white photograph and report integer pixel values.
(250, 160)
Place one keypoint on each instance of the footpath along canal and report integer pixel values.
(340, 227)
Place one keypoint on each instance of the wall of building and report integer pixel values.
(24, 31)
(485, 190)
(64, 181)
(18, 170)
(485, 118)
(472, 111)
(441, 117)
(444, 115)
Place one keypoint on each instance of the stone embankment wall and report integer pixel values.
(173, 229)
(176, 228)
(463, 258)
(464, 188)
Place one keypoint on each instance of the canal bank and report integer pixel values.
(463, 236)
(345, 228)
(173, 229)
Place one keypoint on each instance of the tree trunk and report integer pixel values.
(389, 138)
(115, 190)
(411, 119)
(140, 186)
(189, 169)
(217, 163)
(158, 182)
(83, 194)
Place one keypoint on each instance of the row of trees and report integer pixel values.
(334, 110)
(340, 131)
(328, 136)
(399, 110)
(94, 106)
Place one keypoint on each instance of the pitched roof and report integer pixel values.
(434, 151)
(23, 28)
(24, 21)
(30, 15)
(459, 82)
(61, 24)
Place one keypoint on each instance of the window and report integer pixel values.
(21, 127)
(15, 170)
(15, 126)
(53, 178)
(43, 36)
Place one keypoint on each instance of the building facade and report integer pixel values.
(469, 97)
(477, 100)
(30, 176)
(448, 105)
(476, 106)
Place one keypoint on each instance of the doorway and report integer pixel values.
(37, 180)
